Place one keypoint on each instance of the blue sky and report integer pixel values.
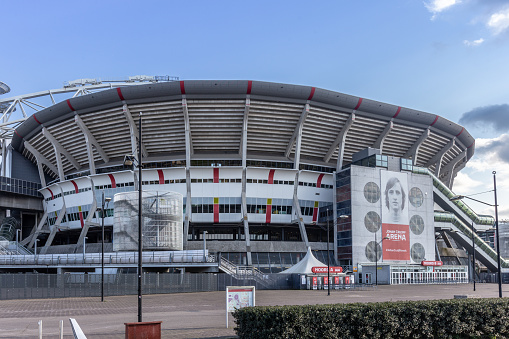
(446, 57)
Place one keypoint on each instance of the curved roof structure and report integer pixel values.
(4, 88)
(218, 116)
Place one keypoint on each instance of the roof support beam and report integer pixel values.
(340, 141)
(134, 132)
(298, 138)
(379, 143)
(437, 159)
(414, 150)
(189, 151)
(58, 151)
(448, 171)
(90, 141)
(297, 133)
(243, 140)
(41, 160)
(298, 213)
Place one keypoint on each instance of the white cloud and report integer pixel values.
(474, 43)
(499, 21)
(464, 184)
(437, 6)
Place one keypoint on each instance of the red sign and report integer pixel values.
(315, 280)
(336, 280)
(325, 280)
(320, 269)
(396, 245)
(431, 263)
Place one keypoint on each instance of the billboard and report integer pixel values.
(395, 229)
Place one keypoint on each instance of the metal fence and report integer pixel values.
(42, 286)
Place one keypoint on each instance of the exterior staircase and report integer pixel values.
(244, 272)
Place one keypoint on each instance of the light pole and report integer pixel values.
(376, 257)
(328, 256)
(473, 255)
(18, 234)
(129, 160)
(35, 248)
(84, 243)
(204, 246)
(459, 197)
(103, 212)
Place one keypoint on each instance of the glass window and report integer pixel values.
(371, 192)
(372, 221)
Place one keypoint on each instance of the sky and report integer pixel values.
(445, 57)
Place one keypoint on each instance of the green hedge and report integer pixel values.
(457, 318)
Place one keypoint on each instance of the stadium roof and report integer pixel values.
(216, 114)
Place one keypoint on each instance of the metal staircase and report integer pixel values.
(13, 248)
(244, 272)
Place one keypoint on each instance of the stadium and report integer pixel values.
(264, 169)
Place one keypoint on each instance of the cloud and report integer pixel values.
(465, 184)
(474, 43)
(437, 6)
(499, 21)
(496, 148)
(493, 116)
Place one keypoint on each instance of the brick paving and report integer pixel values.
(192, 315)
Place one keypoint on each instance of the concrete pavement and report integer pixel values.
(193, 315)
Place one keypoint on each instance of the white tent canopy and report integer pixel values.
(304, 266)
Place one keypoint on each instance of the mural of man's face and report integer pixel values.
(395, 198)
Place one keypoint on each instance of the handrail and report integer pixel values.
(467, 231)
(476, 218)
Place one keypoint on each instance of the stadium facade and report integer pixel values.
(264, 168)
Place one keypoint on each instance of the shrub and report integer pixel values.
(457, 318)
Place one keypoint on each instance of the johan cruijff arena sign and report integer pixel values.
(395, 225)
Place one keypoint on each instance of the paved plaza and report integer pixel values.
(193, 315)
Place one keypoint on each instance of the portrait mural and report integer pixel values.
(395, 223)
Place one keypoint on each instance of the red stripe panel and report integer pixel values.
(471, 144)
(52, 196)
(18, 134)
(319, 181)
(397, 112)
(460, 132)
(434, 121)
(75, 186)
(113, 182)
(70, 106)
(358, 104)
(119, 92)
(81, 220)
(216, 213)
(216, 175)
(268, 214)
(161, 177)
(249, 86)
(312, 93)
(37, 120)
(315, 213)
(271, 176)
(182, 88)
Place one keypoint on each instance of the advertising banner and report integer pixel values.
(395, 229)
(315, 283)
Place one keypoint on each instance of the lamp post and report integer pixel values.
(376, 258)
(103, 212)
(204, 246)
(18, 235)
(473, 256)
(84, 251)
(35, 249)
(328, 256)
(459, 197)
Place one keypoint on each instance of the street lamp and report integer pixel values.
(103, 212)
(473, 255)
(84, 243)
(204, 246)
(131, 160)
(376, 257)
(35, 249)
(459, 197)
